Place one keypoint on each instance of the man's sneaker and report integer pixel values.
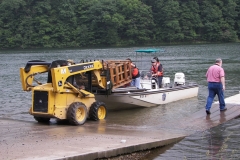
(208, 112)
(224, 109)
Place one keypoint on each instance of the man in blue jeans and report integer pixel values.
(216, 85)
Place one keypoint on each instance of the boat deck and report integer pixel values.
(29, 140)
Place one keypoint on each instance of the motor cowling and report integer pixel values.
(179, 78)
(166, 81)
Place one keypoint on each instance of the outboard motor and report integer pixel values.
(166, 81)
(179, 79)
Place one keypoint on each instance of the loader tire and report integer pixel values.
(42, 119)
(98, 111)
(77, 113)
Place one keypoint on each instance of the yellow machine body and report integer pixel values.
(59, 97)
(56, 104)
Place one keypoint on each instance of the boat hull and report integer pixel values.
(148, 98)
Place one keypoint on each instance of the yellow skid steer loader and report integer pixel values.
(64, 90)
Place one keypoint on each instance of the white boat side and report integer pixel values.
(125, 98)
(151, 95)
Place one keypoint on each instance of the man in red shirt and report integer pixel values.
(216, 85)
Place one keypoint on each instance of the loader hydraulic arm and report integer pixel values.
(27, 74)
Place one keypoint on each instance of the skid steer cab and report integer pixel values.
(63, 90)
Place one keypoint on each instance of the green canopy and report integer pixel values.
(150, 50)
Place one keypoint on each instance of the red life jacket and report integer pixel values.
(155, 70)
(135, 73)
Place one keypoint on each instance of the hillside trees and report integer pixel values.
(138, 22)
(11, 16)
(218, 20)
(85, 23)
(103, 21)
(166, 16)
(237, 19)
(190, 21)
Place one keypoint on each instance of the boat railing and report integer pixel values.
(128, 89)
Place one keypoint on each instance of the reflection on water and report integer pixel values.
(192, 60)
(151, 117)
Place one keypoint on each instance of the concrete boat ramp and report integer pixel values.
(28, 140)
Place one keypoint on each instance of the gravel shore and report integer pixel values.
(142, 155)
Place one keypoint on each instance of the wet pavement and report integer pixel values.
(35, 141)
(31, 140)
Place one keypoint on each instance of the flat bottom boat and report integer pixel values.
(150, 95)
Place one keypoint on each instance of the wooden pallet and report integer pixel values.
(120, 72)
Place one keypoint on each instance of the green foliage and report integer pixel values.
(168, 21)
(237, 19)
(190, 20)
(84, 23)
(137, 24)
(218, 20)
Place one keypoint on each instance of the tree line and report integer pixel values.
(90, 23)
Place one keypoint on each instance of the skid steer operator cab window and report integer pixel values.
(77, 81)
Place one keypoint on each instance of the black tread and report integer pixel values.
(93, 112)
(42, 119)
(71, 113)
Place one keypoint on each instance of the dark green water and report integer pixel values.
(193, 60)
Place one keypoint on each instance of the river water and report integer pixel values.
(220, 142)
